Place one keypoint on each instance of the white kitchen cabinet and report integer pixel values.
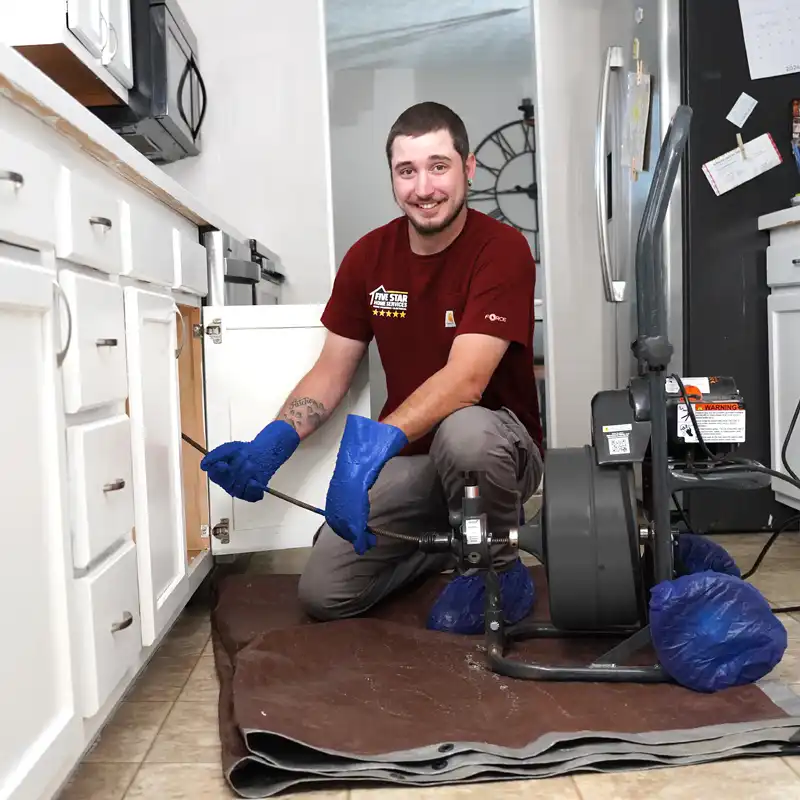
(89, 223)
(117, 55)
(27, 180)
(783, 309)
(191, 265)
(150, 321)
(95, 368)
(254, 357)
(109, 626)
(86, 20)
(783, 318)
(101, 482)
(40, 726)
(148, 247)
(83, 45)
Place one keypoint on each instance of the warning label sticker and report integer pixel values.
(718, 422)
(619, 443)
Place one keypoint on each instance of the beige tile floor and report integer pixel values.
(163, 742)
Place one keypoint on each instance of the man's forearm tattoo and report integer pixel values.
(305, 411)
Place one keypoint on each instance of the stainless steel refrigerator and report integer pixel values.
(640, 89)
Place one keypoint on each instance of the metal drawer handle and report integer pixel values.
(106, 342)
(104, 221)
(13, 177)
(114, 486)
(796, 262)
(127, 621)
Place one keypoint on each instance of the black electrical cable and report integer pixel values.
(682, 512)
(767, 547)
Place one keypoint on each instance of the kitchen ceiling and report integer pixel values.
(422, 34)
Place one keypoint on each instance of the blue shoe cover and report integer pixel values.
(700, 554)
(713, 631)
(460, 607)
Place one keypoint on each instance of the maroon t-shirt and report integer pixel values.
(416, 305)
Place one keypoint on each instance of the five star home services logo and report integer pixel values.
(386, 303)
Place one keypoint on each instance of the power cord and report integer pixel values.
(724, 463)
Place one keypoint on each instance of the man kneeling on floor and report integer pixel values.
(448, 294)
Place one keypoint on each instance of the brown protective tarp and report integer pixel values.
(382, 699)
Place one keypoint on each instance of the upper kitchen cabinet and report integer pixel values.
(83, 45)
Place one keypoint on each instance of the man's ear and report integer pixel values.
(471, 165)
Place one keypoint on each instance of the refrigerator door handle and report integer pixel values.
(614, 290)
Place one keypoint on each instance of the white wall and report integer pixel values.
(265, 165)
(364, 104)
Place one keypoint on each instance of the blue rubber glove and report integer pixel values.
(365, 447)
(243, 469)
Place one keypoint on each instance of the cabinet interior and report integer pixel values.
(195, 481)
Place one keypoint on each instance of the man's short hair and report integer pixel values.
(429, 117)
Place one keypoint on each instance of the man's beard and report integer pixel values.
(446, 223)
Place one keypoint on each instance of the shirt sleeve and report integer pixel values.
(346, 312)
(501, 292)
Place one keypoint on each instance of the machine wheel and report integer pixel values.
(591, 542)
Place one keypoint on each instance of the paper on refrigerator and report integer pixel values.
(771, 36)
(734, 168)
(637, 119)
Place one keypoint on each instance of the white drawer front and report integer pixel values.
(148, 249)
(95, 369)
(783, 264)
(101, 483)
(109, 626)
(28, 179)
(89, 223)
(191, 265)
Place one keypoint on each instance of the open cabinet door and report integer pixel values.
(254, 357)
(150, 326)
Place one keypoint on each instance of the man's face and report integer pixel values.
(429, 180)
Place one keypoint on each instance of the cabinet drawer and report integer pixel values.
(101, 486)
(109, 626)
(27, 204)
(783, 264)
(148, 252)
(191, 265)
(95, 370)
(89, 223)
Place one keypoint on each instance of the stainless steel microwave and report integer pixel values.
(167, 104)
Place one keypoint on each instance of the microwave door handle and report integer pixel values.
(181, 84)
(202, 85)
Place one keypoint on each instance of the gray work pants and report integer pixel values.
(414, 494)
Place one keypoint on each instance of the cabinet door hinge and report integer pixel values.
(205, 531)
(221, 531)
(197, 331)
(214, 330)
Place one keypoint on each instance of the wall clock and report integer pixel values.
(505, 185)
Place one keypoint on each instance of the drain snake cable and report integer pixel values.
(404, 537)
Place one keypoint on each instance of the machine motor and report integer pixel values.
(719, 409)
